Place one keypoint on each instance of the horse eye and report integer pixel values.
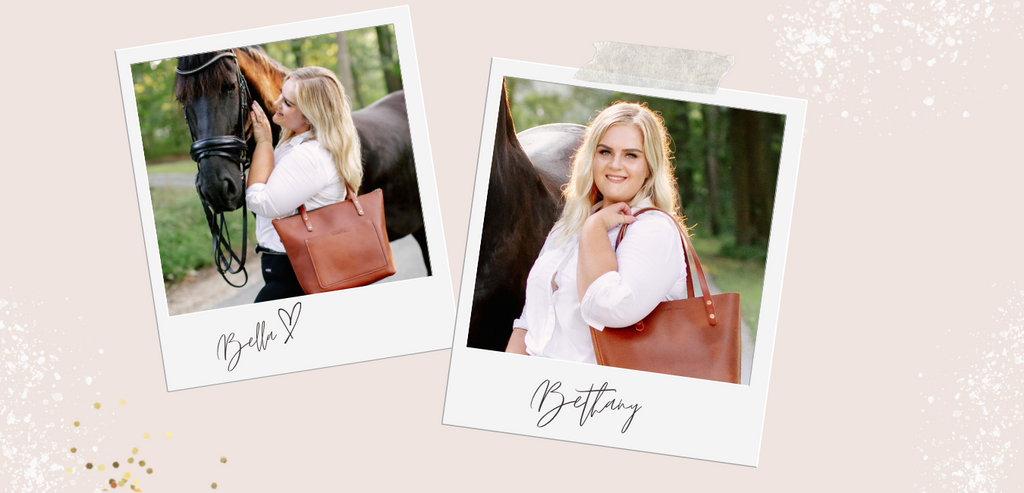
(228, 87)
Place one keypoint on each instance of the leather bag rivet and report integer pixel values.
(712, 315)
(640, 326)
(708, 302)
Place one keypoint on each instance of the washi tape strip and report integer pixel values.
(656, 67)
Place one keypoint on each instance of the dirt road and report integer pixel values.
(207, 290)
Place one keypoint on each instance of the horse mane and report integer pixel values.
(209, 80)
(264, 73)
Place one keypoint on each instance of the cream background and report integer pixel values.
(902, 251)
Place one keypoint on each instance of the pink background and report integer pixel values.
(897, 363)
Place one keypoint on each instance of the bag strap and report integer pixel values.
(351, 195)
(709, 305)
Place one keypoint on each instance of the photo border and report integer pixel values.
(327, 329)
(677, 416)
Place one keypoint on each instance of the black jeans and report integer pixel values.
(279, 277)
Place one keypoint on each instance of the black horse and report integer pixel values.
(215, 90)
(524, 200)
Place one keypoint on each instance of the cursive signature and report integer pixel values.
(230, 349)
(551, 401)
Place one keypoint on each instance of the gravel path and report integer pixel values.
(172, 180)
(207, 290)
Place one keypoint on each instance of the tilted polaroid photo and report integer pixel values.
(287, 197)
(659, 339)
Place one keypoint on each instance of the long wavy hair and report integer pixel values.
(322, 100)
(581, 194)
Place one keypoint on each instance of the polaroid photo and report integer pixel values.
(735, 160)
(197, 231)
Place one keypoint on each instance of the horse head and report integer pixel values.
(215, 91)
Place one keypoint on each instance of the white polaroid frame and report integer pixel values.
(651, 412)
(314, 331)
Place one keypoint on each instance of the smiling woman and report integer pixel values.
(579, 280)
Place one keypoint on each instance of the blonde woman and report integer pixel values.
(579, 280)
(318, 154)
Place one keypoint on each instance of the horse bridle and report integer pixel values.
(234, 149)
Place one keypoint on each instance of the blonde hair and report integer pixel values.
(322, 100)
(660, 185)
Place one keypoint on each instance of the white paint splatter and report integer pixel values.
(35, 438)
(990, 382)
(847, 46)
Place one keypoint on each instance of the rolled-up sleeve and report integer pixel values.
(650, 261)
(294, 180)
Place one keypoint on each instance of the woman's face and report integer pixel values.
(288, 114)
(620, 167)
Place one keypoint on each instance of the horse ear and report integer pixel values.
(505, 124)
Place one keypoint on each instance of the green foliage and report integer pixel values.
(172, 167)
(731, 275)
(704, 171)
(183, 237)
(744, 252)
(164, 133)
(163, 126)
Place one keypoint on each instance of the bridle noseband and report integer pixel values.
(235, 149)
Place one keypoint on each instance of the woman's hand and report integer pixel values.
(263, 157)
(260, 125)
(596, 254)
(611, 216)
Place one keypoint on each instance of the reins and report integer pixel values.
(232, 148)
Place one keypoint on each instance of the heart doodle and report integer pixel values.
(292, 321)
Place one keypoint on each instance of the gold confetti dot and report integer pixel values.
(77, 423)
(135, 450)
(149, 470)
(135, 481)
(101, 467)
(142, 463)
(223, 460)
(127, 475)
(169, 434)
(88, 465)
(69, 469)
(145, 435)
(122, 402)
(214, 486)
(116, 465)
(96, 405)
(73, 450)
(131, 460)
(122, 482)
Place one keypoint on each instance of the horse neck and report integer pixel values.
(515, 181)
(264, 79)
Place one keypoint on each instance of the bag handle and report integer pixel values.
(351, 195)
(709, 305)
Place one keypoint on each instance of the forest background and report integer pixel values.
(726, 167)
(366, 62)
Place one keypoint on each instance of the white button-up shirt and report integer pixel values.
(650, 270)
(304, 173)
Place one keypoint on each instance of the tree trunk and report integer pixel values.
(740, 136)
(711, 136)
(389, 58)
(345, 67)
(751, 192)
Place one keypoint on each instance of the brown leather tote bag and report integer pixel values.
(691, 337)
(340, 246)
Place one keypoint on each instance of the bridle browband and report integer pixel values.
(234, 149)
